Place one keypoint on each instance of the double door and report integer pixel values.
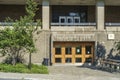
(73, 52)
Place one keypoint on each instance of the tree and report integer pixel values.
(11, 43)
(117, 46)
(27, 23)
(20, 37)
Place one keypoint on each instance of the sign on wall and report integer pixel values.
(111, 36)
(73, 37)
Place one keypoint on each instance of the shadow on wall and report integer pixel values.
(113, 55)
(117, 57)
(100, 53)
(110, 55)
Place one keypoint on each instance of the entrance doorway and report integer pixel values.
(73, 52)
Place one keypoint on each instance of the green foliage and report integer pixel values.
(11, 43)
(18, 39)
(117, 46)
(21, 68)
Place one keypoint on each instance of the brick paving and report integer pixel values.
(64, 73)
(82, 73)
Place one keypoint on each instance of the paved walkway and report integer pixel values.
(64, 73)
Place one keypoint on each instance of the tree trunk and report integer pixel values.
(29, 65)
(13, 60)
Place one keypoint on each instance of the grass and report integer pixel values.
(21, 68)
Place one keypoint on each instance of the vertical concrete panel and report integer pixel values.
(100, 14)
(42, 45)
(45, 15)
(39, 55)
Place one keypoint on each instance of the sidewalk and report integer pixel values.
(63, 73)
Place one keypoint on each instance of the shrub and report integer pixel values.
(21, 68)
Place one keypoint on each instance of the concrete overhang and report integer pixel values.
(63, 2)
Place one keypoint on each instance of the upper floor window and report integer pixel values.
(69, 14)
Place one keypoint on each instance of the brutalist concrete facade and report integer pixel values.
(104, 32)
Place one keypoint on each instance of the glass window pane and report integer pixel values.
(68, 60)
(57, 60)
(88, 50)
(77, 60)
(68, 50)
(88, 60)
(62, 20)
(76, 19)
(78, 50)
(58, 50)
(69, 19)
(83, 16)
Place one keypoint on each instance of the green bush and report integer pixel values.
(21, 68)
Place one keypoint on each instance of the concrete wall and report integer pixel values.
(43, 39)
(42, 44)
(89, 34)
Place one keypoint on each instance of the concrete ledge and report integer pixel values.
(73, 28)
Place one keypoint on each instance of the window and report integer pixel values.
(80, 12)
(68, 60)
(70, 19)
(83, 16)
(57, 60)
(68, 50)
(78, 50)
(78, 60)
(58, 50)
(76, 19)
(62, 19)
(88, 49)
(88, 60)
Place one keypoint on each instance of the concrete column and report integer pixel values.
(100, 18)
(45, 15)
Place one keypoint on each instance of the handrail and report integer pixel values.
(110, 64)
(12, 23)
(112, 24)
(113, 60)
(73, 24)
(6, 23)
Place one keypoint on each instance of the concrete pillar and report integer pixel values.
(45, 15)
(100, 12)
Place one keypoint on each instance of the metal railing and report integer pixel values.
(12, 23)
(110, 65)
(73, 24)
(112, 24)
(6, 23)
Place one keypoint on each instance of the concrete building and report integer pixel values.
(73, 32)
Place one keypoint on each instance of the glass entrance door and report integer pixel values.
(73, 52)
